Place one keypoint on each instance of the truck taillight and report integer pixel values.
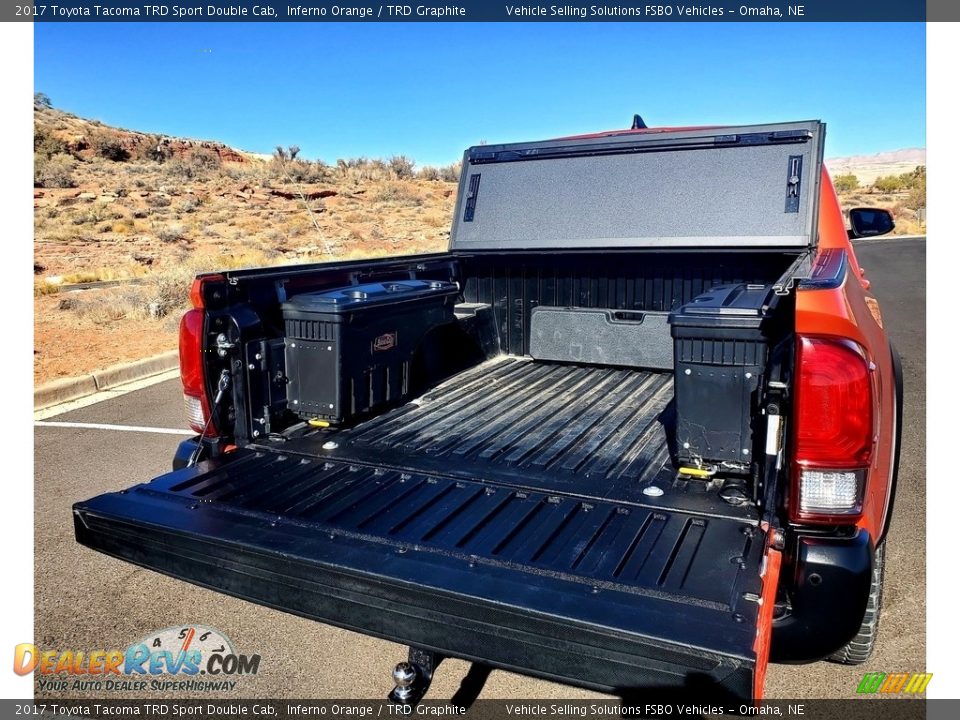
(192, 370)
(834, 432)
(195, 400)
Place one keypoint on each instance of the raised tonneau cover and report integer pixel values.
(746, 186)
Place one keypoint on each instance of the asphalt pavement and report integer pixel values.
(87, 601)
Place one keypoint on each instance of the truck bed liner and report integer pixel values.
(608, 593)
(525, 415)
(593, 432)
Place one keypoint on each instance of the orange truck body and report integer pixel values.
(851, 311)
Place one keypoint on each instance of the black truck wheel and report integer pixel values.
(858, 650)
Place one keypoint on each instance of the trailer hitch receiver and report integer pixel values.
(412, 678)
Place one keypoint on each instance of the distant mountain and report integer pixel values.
(868, 168)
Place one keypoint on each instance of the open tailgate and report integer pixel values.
(613, 596)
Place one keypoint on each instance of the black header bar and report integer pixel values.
(483, 11)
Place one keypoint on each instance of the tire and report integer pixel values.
(858, 650)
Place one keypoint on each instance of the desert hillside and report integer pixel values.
(113, 204)
(151, 211)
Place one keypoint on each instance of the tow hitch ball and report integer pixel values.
(412, 678)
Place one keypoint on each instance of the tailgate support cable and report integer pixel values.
(222, 386)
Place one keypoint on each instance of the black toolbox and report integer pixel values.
(349, 351)
(720, 347)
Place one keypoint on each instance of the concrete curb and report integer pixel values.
(61, 391)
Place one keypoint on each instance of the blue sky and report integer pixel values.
(429, 90)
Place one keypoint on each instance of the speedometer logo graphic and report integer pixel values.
(186, 638)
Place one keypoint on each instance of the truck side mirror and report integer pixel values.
(869, 222)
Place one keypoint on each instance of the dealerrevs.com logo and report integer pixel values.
(181, 658)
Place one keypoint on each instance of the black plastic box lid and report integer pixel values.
(362, 297)
(739, 305)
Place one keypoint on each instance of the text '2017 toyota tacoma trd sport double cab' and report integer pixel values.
(636, 429)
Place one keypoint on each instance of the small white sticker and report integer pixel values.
(773, 434)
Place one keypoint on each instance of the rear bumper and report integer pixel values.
(828, 592)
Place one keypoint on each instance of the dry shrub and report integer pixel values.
(55, 171)
(400, 193)
(450, 173)
(109, 148)
(45, 287)
(436, 220)
(299, 171)
(190, 204)
(83, 276)
(199, 163)
(205, 159)
(155, 296)
(846, 183)
(401, 166)
(106, 307)
(47, 145)
(363, 170)
(96, 213)
(166, 291)
(917, 197)
(171, 232)
(153, 148)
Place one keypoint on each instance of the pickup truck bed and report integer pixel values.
(514, 452)
(500, 514)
